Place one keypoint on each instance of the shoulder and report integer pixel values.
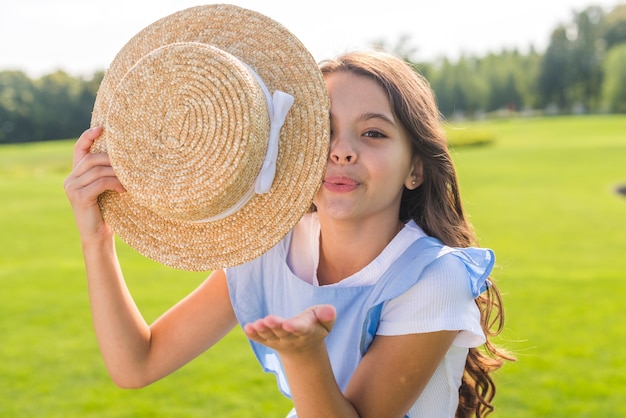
(446, 273)
(441, 300)
(444, 279)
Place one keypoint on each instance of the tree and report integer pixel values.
(55, 106)
(587, 55)
(509, 80)
(554, 73)
(614, 88)
(57, 112)
(17, 96)
(444, 82)
(527, 69)
(571, 72)
(615, 33)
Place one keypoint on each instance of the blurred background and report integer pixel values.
(481, 57)
(533, 98)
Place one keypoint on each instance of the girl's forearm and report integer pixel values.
(122, 333)
(313, 386)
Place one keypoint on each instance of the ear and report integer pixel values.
(416, 175)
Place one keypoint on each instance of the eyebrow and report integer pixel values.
(381, 116)
(372, 115)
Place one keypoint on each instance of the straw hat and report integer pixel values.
(192, 109)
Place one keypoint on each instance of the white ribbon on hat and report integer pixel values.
(281, 102)
(278, 106)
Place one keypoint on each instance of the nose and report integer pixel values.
(342, 149)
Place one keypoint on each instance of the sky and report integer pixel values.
(83, 36)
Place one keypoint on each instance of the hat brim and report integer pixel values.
(283, 63)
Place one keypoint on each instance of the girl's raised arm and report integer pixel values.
(135, 353)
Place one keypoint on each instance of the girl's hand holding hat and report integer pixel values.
(91, 175)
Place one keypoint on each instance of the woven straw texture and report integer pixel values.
(186, 128)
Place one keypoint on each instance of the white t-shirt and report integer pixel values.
(440, 300)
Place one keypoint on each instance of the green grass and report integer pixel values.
(50, 365)
(541, 195)
(464, 136)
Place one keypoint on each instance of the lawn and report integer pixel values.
(541, 195)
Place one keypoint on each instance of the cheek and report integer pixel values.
(396, 168)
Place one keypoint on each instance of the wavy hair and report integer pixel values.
(436, 204)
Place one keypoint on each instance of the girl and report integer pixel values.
(365, 309)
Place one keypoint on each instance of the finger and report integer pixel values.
(90, 167)
(89, 194)
(268, 328)
(84, 143)
(94, 166)
(93, 182)
(326, 315)
(315, 316)
(257, 327)
(256, 331)
(89, 161)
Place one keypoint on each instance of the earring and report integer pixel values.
(413, 182)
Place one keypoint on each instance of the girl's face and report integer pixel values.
(370, 157)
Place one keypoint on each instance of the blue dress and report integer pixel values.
(267, 285)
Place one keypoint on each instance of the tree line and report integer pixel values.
(583, 70)
(54, 106)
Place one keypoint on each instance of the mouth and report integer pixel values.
(340, 183)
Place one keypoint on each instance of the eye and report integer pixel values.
(372, 133)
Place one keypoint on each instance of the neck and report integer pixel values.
(347, 247)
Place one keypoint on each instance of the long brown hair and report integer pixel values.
(436, 204)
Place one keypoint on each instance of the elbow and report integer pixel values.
(128, 384)
(129, 381)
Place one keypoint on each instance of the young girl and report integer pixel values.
(374, 305)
